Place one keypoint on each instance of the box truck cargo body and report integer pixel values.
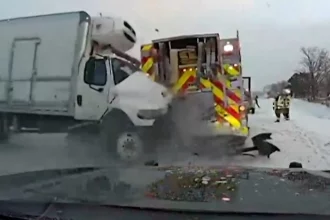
(39, 59)
(39, 66)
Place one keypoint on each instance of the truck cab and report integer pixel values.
(112, 75)
(119, 95)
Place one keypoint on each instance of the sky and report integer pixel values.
(271, 31)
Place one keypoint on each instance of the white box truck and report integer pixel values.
(60, 70)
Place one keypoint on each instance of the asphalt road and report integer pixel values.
(28, 152)
(31, 152)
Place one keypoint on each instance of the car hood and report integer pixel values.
(220, 189)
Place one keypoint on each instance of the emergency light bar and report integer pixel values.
(228, 47)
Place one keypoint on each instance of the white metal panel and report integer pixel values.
(236, 83)
(58, 92)
(246, 83)
(54, 37)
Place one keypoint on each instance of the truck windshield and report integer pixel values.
(122, 69)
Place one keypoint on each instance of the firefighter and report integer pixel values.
(281, 105)
(256, 101)
(287, 102)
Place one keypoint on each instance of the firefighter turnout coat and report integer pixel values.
(282, 102)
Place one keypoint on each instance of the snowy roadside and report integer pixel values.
(304, 139)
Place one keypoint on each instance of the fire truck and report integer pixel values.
(204, 73)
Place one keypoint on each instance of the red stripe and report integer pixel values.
(229, 109)
(144, 60)
(186, 84)
(230, 94)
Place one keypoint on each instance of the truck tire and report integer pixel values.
(4, 127)
(121, 138)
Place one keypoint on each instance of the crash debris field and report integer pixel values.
(303, 139)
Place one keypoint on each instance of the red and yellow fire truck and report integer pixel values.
(202, 64)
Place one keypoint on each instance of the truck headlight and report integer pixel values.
(151, 113)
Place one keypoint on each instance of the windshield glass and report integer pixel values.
(219, 105)
(122, 69)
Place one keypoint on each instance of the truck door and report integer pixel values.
(92, 101)
(22, 71)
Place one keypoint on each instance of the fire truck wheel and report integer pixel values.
(4, 127)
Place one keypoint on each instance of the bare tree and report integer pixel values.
(324, 80)
(312, 79)
(314, 62)
(300, 84)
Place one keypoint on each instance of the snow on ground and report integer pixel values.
(305, 139)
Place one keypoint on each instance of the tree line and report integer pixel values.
(312, 78)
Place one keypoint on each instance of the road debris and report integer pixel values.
(196, 185)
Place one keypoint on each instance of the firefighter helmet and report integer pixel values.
(286, 91)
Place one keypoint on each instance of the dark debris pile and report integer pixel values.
(196, 185)
(306, 180)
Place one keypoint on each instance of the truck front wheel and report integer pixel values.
(121, 138)
(129, 146)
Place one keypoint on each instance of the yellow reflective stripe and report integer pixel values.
(229, 118)
(230, 70)
(228, 84)
(217, 92)
(232, 121)
(221, 111)
(145, 52)
(146, 47)
(182, 80)
(147, 65)
(206, 83)
(245, 130)
(233, 104)
(237, 93)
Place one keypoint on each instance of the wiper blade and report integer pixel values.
(21, 179)
(13, 217)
